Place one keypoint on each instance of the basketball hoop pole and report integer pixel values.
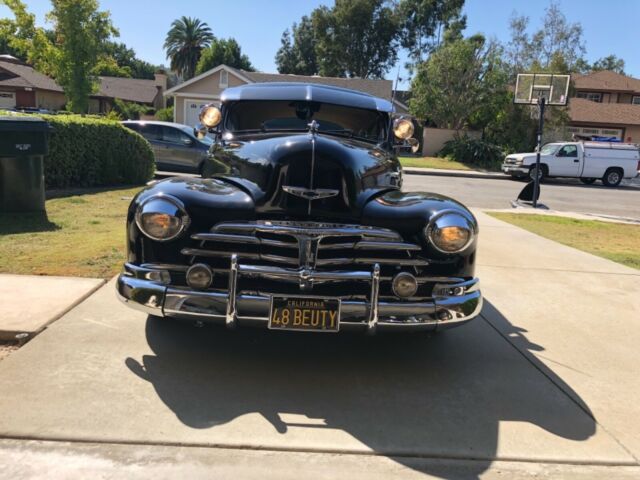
(536, 179)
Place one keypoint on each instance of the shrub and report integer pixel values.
(85, 152)
(473, 151)
(165, 114)
(130, 110)
(90, 151)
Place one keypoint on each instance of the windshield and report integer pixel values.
(549, 149)
(279, 115)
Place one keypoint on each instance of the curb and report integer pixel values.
(455, 173)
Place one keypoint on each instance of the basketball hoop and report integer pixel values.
(538, 90)
(532, 87)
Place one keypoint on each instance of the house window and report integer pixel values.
(636, 100)
(224, 78)
(593, 96)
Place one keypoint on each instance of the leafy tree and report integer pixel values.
(225, 51)
(108, 66)
(461, 84)
(426, 23)
(127, 60)
(80, 31)
(556, 39)
(610, 62)
(22, 39)
(298, 56)
(356, 38)
(184, 43)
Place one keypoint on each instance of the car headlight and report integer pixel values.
(210, 116)
(450, 231)
(403, 128)
(162, 218)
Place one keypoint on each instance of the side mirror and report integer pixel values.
(414, 144)
(200, 131)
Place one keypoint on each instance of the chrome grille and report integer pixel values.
(304, 244)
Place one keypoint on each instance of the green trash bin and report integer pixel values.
(24, 141)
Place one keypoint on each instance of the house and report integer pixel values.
(190, 96)
(606, 104)
(23, 87)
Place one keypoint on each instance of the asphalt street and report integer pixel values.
(559, 195)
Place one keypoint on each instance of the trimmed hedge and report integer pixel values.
(93, 151)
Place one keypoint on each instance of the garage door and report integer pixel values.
(192, 110)
(7, 99)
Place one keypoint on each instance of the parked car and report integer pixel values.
(588, 161)
(301, 223)
(175, 146)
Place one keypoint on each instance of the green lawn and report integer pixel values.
(614, 241)
(433, 162)
(83, 234)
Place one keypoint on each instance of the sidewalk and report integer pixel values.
(542, 384)
(455, 173)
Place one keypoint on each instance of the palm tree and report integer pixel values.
(185, 40)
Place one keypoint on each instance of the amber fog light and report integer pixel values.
(199, 276)
(404, 285)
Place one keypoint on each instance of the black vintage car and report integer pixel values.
(299, 223)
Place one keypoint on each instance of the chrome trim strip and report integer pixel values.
(224, 237)
(386, 246)
(308, 228)
(267, 271)
(200, 252)
(311, 275)
(230, 319)
(412, 262)
(372, 323)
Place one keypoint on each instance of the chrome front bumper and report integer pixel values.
(143, 288)
(515, 169)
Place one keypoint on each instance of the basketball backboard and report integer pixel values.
(531, 86)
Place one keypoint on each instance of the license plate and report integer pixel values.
(305, 313)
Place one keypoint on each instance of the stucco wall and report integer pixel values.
(433, 139)
(203, 91)
(632, 133)
(50, 100)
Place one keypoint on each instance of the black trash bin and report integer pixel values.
(24, 141)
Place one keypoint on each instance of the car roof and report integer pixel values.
(306, 91)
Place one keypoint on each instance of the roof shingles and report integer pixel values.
(606, 80)
(129, 89)
(586, 111)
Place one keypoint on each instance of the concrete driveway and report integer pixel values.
(544, 383)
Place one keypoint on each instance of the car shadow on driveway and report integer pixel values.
(402, 396)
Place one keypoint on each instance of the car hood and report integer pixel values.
(281, 171)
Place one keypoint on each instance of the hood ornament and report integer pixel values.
(310, 194)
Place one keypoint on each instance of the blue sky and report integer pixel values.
(609, 27)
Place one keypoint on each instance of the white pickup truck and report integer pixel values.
(588, 161)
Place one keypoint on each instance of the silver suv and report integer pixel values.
(175, 146)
